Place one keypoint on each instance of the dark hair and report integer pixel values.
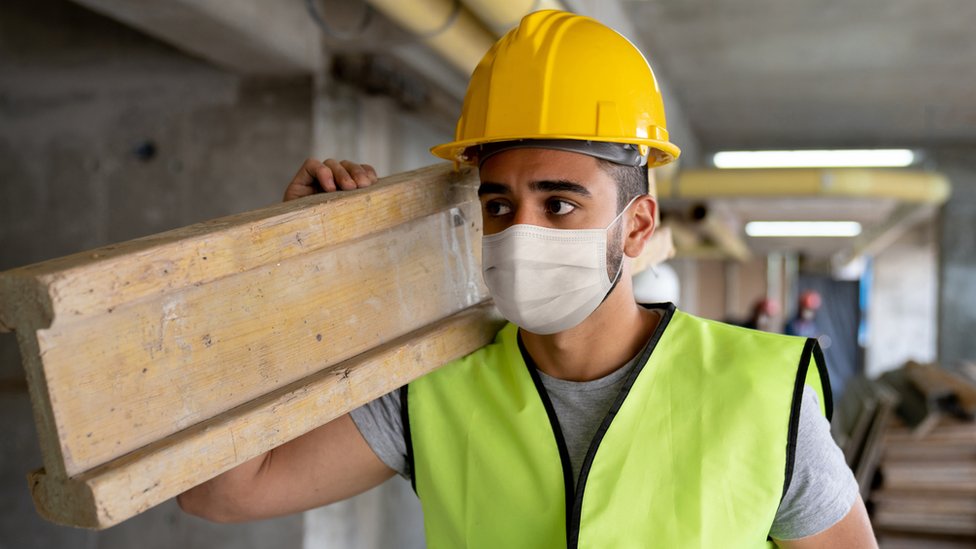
(631, 181)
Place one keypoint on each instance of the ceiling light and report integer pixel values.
(842, 158)
(803, 228)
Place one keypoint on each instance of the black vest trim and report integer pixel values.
(407, 441)
(553, 422)
(811, 349)
(574, 497)
(818, 358)
(573, 524)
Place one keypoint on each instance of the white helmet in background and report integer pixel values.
(657, 284)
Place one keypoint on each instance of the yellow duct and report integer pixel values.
(904, 185)
(451, 29)
(500, 16)
(448, 28)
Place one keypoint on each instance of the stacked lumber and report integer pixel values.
(859, 424)
(925, 490)
(156, 364)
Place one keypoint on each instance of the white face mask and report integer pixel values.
(548, 280)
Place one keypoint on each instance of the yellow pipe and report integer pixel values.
(462, 42)
(500, 16)
(903, 185)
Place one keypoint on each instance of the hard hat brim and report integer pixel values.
(661, 152)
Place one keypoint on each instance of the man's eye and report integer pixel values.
(559, 207)
(495, 208)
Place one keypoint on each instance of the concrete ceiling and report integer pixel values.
(869, 212)
(739, 74)
(831, 73)
(782, 74)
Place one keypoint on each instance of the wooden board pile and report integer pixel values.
(919, 475)
(158, 363)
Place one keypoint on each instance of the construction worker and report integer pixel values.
(805, 322)
(590, 421)
(764, 312)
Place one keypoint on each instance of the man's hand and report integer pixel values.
(328, 176)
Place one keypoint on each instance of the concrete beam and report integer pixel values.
(245, 36)
(262, 37)
(876, 239)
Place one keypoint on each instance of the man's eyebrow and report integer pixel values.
(545, 186)
(493, 188)
(560, 185)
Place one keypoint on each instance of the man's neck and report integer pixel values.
(601, 344)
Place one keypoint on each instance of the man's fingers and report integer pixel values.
(342, 178)
(371, 172)
(358, 173)
(303, 184)
(329, 176)
(325, 178)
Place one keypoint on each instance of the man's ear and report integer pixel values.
(641, 226)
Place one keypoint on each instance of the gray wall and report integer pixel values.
(81, 97)
(902, 312)
(957, 266)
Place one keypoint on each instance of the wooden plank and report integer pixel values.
(926, 502)
(952, 392)
(172, 361)
(136, 482)
(904, 540)
(956, 477)
(962, 524)
(870, 453)
(96, 281)
(946, 431)
(853, 416)
(131, 349)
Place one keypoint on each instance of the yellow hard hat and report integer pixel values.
(558, 75)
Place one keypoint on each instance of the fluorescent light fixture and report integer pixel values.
(841, 158)
(803, 228)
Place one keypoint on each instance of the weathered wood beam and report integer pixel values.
(137, 481)
(158, 363)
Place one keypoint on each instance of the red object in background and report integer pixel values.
(768, 307)
(810, 300)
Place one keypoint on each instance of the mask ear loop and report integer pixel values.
(627, 207)
(620, 267)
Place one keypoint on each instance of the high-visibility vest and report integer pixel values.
(696, 451)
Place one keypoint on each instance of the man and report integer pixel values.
(591, 421)
(805, 322)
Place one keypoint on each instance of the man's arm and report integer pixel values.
(328, 464)
(853, 532)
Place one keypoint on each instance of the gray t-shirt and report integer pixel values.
(821, 491)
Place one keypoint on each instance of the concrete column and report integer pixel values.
(386, 516)
(335, 119)
(957, 264)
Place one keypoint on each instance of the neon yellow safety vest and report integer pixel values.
(696, 451)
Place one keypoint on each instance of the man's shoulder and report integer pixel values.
(504, 347)
(734, 332)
